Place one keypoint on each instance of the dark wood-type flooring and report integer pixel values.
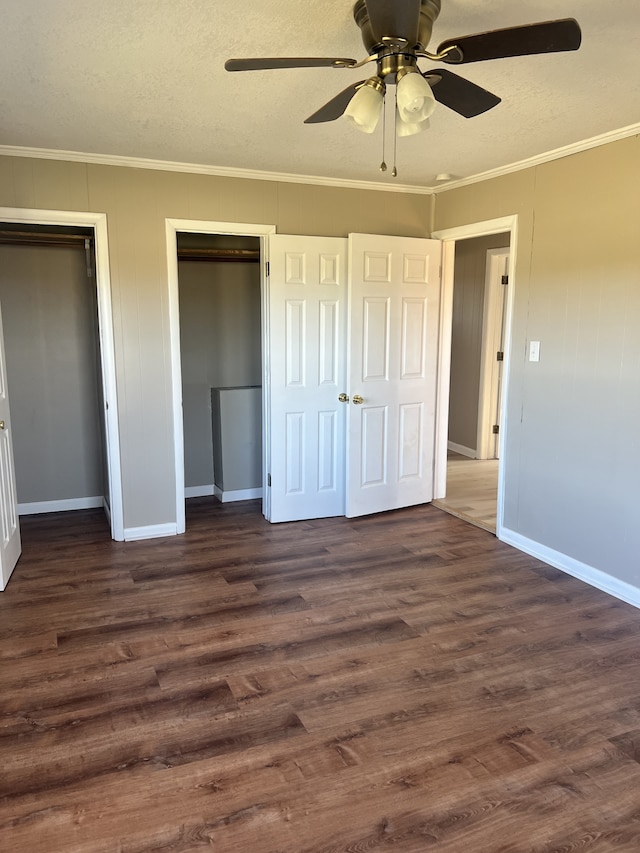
(398, 682)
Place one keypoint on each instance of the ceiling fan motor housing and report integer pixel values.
(429, 11)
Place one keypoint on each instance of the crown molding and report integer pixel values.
(201, 169)
(315, 180)
(547, 157)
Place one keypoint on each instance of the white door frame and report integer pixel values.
(449, 236)
(239, 229)
(97, 221)
(491, 331)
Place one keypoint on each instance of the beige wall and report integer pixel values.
(571, 432)
(136, 203)
(572, 429)
(50, 334)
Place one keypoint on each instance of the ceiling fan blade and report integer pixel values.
(394, 18)
(545, 37)
(460, 95)
(334, 108)
(264, 64)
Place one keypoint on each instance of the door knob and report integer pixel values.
(1, 424)
(343, 398)
(357, 399)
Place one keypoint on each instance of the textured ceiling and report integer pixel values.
(145, 78)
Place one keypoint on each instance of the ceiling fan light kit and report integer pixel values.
(365, 107)
(396, 34)
(405, 128)
(415, 99)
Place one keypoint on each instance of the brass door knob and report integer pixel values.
(343, 398)
(1, 424)
(357, 399)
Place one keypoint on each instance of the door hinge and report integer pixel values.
(499, 356)
(495, 429)
(267, 269)
(268, 479)
(504, 279)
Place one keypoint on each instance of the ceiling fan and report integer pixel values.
(396, 34)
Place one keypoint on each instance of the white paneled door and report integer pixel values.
(352, 379)
(394, 311)
(9, 526)
(307, 335)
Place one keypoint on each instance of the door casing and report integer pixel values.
(449, 236)
(199, 226)
(97, 221)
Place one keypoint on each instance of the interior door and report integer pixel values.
(491, 361)
(307, 334)
(502, 324)
(9, 527)
(394, 308)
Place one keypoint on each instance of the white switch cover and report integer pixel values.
(534, 350)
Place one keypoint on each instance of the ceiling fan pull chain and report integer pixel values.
(394, 171)
(383, 165)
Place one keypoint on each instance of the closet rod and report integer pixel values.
(30, 238)
(251, 256)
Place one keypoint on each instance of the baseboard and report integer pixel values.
(67, 505)
(198, 491)
(237, 495)
(461, 449)
(152, 531)
(590, 575)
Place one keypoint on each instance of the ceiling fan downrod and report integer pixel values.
(384, 14)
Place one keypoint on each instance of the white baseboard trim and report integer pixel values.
(60, 506)
(152, 531)
(590, 575)
(198, 491)
(461, 449)
(237, 495)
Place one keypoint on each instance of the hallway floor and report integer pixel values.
(472, 490)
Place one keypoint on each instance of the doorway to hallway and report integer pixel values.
(476, 383)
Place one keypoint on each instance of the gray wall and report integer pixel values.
(466, 335)
(220, 342)
(50, 330)
(572, 463)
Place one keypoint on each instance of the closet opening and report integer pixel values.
(220, 321)
(49, 302)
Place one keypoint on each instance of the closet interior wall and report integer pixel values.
(220, 340)
(49, 307)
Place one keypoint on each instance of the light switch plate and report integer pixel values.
(534, 350)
